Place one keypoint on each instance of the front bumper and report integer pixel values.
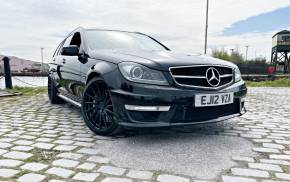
(181, 101)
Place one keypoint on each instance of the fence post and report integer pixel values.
(7, 73)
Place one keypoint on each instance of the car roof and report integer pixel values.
(99, 29)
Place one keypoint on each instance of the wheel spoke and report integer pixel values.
(109, 111)
(90, 96)
(91, 103)
(92, 108)
(109, 106)
(106, 119)
(94, 92)
(96, 118)
(100, 120)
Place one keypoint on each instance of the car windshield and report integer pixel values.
(116, 40)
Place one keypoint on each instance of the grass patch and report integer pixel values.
(283, 82)
(28, 91)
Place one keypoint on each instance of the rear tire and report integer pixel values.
(52, 92)
(97, 109)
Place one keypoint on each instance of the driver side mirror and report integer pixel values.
(71, 50)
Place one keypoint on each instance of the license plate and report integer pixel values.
(204, 100)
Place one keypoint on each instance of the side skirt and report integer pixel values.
(70, 100)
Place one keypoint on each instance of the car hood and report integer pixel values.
(160, 60)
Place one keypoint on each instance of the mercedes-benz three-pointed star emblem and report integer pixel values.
(213, 77)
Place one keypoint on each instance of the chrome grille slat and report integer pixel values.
(195, 76)
(190, 77)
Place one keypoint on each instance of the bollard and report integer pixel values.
(7, 73)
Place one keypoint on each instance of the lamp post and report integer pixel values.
(206, 27)
(41, 52)
(247, 49)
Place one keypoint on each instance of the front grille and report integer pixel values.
(195, 76)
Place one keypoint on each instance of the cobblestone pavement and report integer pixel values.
(44, 142)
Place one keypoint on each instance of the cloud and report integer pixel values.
(28, 25)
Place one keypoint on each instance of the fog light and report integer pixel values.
(147, 108)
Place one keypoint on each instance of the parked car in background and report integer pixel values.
(129, 79)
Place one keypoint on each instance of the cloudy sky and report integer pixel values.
(25, 26)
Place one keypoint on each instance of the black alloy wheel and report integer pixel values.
(97, 108)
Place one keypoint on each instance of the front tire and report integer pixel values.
(97, 108)
(52, 92)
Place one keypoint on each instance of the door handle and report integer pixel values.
(63, 61)
(53, 60)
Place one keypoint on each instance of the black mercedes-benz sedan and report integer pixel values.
(128, 79)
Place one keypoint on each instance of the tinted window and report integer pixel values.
(286, 38)
(76, 39)
(97, 40)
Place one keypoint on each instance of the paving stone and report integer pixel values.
(65, 173)
(287, 142)
(280, 162)
(86, 176)
(146, 175)
(8, 173)
(65, 147)
(250, 172)
(22, 148)
(265, 150)
(44, 140)
(70, 155)
(9, 163)
(5, 145)
(237, 179)
(46, 146)
(87, 166)
(262, 140)
(18, 155)
(112, 170)
(34, 166)
(250, 136)
(88, 151)
(171, 178)
(114, 179)
(267, 167)
(98, 159)
(84, 144)
(273, 145)
(65, 163)
(64, 142)
(3, 151)
(283, 176)
(23, 142)
(283, 157)
(243, 158)
(31, 177)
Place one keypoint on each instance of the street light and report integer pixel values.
(41, 52)
(247, 49)
(206, 27)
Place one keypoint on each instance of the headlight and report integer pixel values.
(139, 73)
(238, 75)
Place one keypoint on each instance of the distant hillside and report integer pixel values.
(22, 65)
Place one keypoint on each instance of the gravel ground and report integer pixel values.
(44, 142)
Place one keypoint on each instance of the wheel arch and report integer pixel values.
(100, 69)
